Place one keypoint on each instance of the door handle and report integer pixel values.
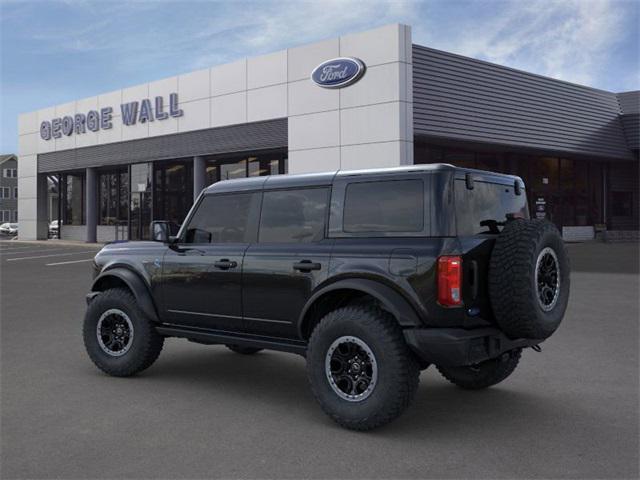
(225, 264)
(306, 266)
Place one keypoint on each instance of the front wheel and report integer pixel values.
(118, 337)
(485, 374)
(360, 369)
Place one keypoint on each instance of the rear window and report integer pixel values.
(486, 202)
(395, 206)
(293, 216)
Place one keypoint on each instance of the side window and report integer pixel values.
(222, 219)
(384, 206)
(293, 216)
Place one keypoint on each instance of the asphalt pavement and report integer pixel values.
(570, 411)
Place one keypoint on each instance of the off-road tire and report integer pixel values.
(145, 346)
(398, 370)
(512, 285)
(243, 350)
(482, 375)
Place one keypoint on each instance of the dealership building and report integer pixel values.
(107, 165)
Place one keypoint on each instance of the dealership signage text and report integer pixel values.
(94, 120)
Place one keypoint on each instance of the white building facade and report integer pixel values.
(118, 160)
(364, 125)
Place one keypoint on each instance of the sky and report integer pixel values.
(55, 51)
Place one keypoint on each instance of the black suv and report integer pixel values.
(371, 275)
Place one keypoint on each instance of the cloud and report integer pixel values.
(570, 40)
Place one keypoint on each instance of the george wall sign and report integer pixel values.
(94, 120)
(339, 72)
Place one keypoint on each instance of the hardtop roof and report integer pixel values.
(327, 178)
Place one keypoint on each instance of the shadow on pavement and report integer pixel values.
(439, 408)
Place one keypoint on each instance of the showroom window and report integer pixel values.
(113, 194)
(621, 204)
(294, 216)
(247, 165)
(73, 192)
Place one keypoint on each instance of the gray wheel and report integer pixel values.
(115, 332)
(118, 337)
(360, 369)
(351, 368)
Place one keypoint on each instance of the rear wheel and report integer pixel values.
(360, 369)
(118, 337)
(482, 375)
(243, 350)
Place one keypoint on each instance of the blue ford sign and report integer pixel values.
(338, 72)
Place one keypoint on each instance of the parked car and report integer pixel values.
(371, 275)
(54, 229)
(9, 229)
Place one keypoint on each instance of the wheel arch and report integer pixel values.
(346, 291)
(121, 277)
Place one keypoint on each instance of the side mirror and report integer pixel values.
(163, 231)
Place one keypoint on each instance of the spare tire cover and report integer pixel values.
(529, 279)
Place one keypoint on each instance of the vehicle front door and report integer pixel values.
(289, 260)
(202, 271)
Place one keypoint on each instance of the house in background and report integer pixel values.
(9, 188)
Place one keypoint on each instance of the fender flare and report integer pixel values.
(137, 286)
(392, 301)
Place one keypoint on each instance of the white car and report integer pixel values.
(54, 229)
(9, 228)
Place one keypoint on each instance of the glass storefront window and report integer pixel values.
(263, 166)
(568, 192)
(173, 190)
(73, 191)
(140, 203)
(113, 195)
(225, 168)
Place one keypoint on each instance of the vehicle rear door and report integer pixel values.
(289, 260)
(202, 272)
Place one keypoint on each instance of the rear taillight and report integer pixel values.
(449, 281)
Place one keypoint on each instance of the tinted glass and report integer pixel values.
(293, 216)
(386, 206)
(221, 219)
(487, 201)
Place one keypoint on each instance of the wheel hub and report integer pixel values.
(547, 279)
(114, 332)
(351, 368)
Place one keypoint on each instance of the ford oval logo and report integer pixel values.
(338, 72)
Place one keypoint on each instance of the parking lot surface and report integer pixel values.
(203, 411)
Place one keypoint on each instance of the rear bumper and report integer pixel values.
(454, 347)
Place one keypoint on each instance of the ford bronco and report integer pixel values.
(371, 275)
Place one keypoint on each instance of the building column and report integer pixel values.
(91, 205)
(42, 214)
(199, 176)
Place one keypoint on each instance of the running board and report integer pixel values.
(223, 337)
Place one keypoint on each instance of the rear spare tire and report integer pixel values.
(529, 279)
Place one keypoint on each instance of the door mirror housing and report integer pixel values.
(164, 231)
